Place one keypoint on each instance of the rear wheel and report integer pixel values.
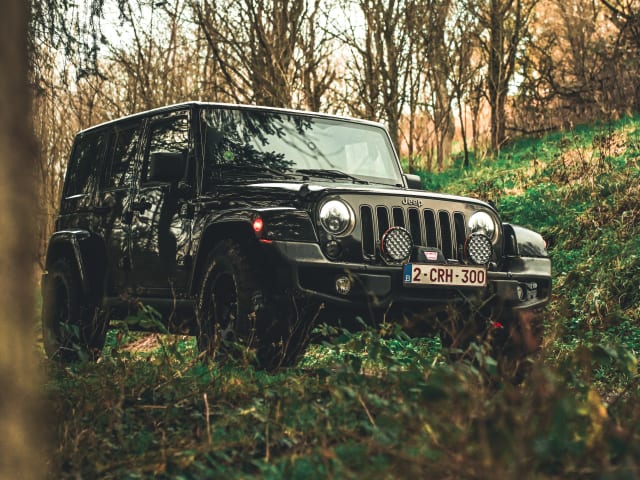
(73, 328)
(237, 316)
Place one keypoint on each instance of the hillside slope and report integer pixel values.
(581, 190)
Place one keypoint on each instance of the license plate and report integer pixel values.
(447, 275)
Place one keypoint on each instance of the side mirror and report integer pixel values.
(413, 181)
(167, 166)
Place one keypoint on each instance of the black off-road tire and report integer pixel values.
(73, 328)
(237, 315)
(516, 342)
(513, 339)
(459, 328)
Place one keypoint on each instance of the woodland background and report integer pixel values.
(442, 75)
(465, 88)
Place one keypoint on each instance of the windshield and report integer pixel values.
(248, 144)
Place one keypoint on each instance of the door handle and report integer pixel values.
(138, 206)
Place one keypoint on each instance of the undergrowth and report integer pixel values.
(581, 191)
(382, 405)
(351, 410)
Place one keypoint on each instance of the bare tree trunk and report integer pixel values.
(476, 104)
(507, 23)
(444, 121)
(21, 452)
(497, 72)
(380, 63)
(463, 132)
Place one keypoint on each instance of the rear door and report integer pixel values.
(113, 203)
(161, 225)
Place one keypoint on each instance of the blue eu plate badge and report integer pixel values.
(407, 273)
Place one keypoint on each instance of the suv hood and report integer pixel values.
(298, 190)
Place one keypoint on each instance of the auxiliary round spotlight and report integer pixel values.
(396, 244)
(343, 285)
(478, 248)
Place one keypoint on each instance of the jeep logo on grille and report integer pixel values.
(413, 202)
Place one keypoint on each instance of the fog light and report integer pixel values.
(478, 248)
(396, 243)
(333, 249)
(343, 285)
(520, 292)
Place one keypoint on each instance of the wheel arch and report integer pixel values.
(520, 241)
(86, 253)
(238, 230)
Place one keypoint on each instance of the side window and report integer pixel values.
(83, 166)
(168, 135)
(120, 170)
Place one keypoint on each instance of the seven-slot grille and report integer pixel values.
(439, 229)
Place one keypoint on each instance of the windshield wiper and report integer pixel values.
(256, 170)
(327, 173)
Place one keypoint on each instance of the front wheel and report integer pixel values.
(512, 338)
(73, 328)
(237, 316)
(516, 341)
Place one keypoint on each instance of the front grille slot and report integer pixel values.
(398, 217)
(444, 230)
(459, 223)
(430, 224)
(383, 220)
(445, 235)
(414, 226)
(368, 237)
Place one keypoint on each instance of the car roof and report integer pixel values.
(191, 104)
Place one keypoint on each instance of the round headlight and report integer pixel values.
(482, 222)
(335, 217)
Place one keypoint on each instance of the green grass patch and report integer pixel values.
(366, 405)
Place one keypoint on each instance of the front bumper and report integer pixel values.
(521, 283)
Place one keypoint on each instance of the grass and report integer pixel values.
(350, 410)
(382, 405)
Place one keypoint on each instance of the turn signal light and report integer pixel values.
(258, 225)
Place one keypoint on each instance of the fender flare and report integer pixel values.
(522, 242)
(280, 223)
(77, 246)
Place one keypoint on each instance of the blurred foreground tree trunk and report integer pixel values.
(21, 450)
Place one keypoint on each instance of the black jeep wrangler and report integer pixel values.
(242, 224)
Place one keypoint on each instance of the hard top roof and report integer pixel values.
(191, 104)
